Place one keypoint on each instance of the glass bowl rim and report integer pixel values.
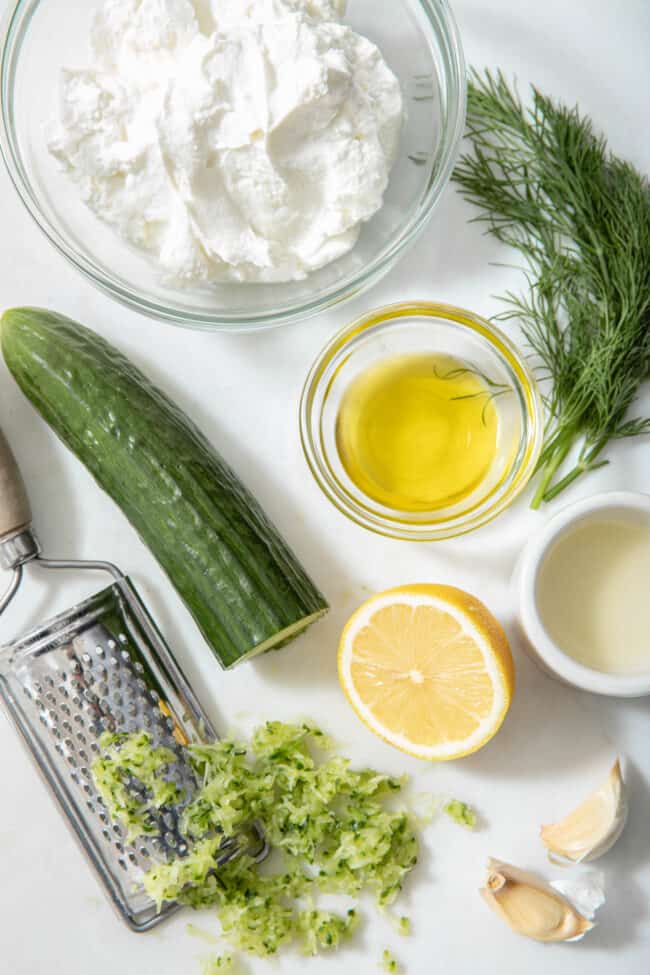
(438, 13)
(499, 343)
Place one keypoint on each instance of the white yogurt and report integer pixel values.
(234, 140)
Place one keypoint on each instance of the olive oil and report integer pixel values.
(418, 432)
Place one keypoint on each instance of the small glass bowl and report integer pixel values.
(420, 42)
(417, 328)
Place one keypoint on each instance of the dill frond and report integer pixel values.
(547, 184)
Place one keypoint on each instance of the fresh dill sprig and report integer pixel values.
(493, 390)
(548, 185)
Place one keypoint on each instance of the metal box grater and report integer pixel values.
(103, 666)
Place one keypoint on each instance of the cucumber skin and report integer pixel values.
(237, 576)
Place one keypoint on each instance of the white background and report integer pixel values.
(244, 390)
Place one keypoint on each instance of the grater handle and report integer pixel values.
(15, 510)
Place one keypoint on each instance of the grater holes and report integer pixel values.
(86, 787)
(107, 836)
(99, 650)
(48, 680)
(122, 863)
(94, 747)
(83, 754)
(138, 667)
(65, 724)
(132, 857)
(122, 637)
(144, 852)
(170, 840)
(103, 818)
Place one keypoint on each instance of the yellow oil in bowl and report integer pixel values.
(418, 432)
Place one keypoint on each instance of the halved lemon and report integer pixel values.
(429, 669)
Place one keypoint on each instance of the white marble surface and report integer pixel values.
(244, 391)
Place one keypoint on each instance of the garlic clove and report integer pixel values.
(593, 827)
(530, 906)
(586, 891)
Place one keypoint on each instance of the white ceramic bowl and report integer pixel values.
(621, 505)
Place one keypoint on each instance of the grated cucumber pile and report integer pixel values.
(331, 829)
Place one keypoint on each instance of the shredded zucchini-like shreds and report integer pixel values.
(333, 830)
(461, 813)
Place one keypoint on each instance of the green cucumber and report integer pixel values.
(244, 587)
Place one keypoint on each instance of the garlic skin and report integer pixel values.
(593, 827)
(530, 906)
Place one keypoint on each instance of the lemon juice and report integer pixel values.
(418, 432)
(592, 596)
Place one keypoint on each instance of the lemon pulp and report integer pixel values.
(418, 432)
(428, 669)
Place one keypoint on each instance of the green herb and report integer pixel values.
(492, 391)
(333, 830)
(548, 185)
(461, 813)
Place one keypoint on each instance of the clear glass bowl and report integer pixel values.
(416, 328)
(420, 41)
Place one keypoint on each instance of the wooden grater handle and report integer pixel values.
(15, 510)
